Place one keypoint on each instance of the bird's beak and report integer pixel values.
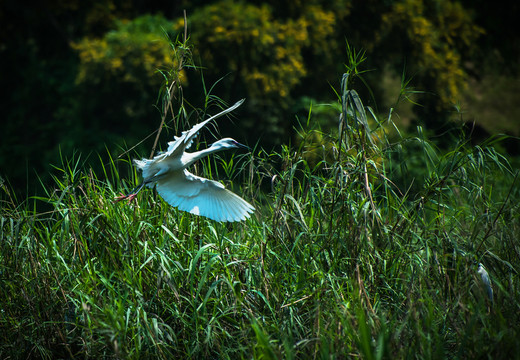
(243, 146)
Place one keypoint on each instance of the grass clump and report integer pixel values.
(367, 246)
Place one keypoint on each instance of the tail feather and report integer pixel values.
(140, 164)
(145, 165)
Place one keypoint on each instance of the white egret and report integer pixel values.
(486, 281)
(189, 192)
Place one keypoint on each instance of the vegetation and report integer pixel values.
(83, 76)
(366, 246)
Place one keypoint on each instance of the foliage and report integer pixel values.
(84, 75)
(130, 54)
(343, 258)
(272, 52)
(127, 66)
(278, 53)
(267, 55)
(486, 101)
(267, 52)
(438, 33)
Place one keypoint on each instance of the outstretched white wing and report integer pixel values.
(203, 197)
(184, 141)
(151, 167)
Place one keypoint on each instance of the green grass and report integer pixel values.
(367, 246)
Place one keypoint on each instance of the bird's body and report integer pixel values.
(189, 192)
(486, 281)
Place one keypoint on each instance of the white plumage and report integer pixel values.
(189, 192)
(486, 281)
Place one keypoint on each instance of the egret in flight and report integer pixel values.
(189, 192)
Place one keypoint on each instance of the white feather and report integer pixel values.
(202, 197)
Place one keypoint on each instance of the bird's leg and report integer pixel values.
(131, 195)
(137, 189)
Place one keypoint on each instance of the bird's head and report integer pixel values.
(228, 143)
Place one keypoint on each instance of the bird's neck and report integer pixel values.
(191, 158)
